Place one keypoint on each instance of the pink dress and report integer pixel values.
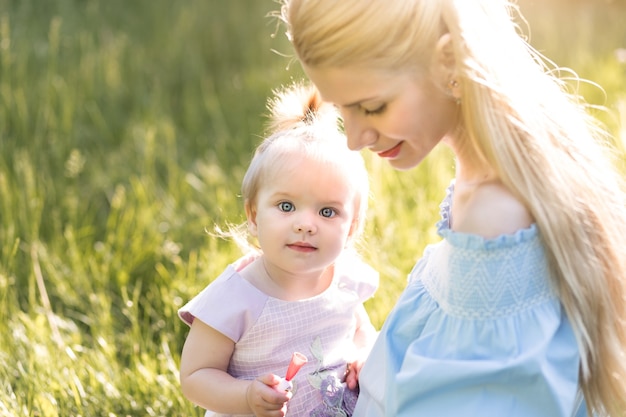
(267, 331)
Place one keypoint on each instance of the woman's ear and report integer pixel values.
(444, 52)
(445, 66)
(251, 217)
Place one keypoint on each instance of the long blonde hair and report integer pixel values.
(521, 120)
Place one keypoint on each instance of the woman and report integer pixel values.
(520, 309)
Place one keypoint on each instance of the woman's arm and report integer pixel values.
(205, 381)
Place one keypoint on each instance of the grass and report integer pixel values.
(125, 128)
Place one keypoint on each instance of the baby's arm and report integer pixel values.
(364, 338)
(205, 381)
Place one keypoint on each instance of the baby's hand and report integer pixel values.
(352, 373)
(264, 399)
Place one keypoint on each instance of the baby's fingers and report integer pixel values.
(264, 400)
(352, 375)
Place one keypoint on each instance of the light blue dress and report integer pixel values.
(478, 331)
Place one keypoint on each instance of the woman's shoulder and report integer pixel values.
(489, 210)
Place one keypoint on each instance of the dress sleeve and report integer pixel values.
(478, 331)
(357, 276)
(230, 305)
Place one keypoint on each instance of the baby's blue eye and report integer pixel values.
(327, 212)
(286, 206)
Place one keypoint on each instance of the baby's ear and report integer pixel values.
(354, 230)
(251, 217)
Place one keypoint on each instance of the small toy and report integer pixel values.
(297, 361)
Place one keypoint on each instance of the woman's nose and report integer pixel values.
(360, 134)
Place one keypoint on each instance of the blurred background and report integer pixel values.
(125, 129)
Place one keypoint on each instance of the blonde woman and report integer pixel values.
(520, 309)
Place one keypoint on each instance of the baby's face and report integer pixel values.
(303, 215)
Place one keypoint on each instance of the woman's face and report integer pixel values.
(401, 117)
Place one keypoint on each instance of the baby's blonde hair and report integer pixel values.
(522, 121)
(301, 124)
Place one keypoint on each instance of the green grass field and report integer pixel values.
(125, 128)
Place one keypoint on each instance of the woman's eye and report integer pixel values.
(378, 110)
(327, 212)
(286, 206)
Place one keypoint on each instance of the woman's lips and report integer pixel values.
(391, 153)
